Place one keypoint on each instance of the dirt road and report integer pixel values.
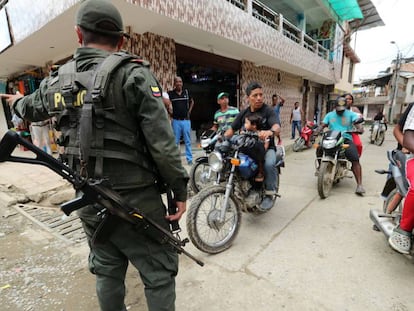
(40, 272)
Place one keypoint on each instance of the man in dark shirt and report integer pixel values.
(380, 117)
(269, 128)
(182, 104)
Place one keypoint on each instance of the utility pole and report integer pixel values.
(395, 84)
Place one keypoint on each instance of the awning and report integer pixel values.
(345, 9)
(371, 17)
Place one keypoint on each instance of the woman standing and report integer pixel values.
(355, 136)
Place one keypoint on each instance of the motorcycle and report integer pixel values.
(306, 137)
(201, 174)
(377, 133)
(386, 220)
(214, 215)
(333, 165)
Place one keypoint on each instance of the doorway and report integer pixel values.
(205, 75)
(204, 84)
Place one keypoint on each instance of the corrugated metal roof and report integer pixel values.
(371, 17)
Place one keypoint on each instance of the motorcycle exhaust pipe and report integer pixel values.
(383, 222)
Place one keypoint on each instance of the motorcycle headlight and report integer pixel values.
(328, 144)
(215, 161)
(205, 142)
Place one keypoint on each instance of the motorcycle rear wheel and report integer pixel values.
(207, 233)
(298, 144)
(380, 138)
(201, 176)
(325, 179)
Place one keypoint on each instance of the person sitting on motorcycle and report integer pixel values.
(400, 239)
(380, 117)
(268, 129)
(257, 150)
(349, 99)
(390, 183)
(342, 119)
(225, 115)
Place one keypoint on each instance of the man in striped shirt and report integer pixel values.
(225, 115)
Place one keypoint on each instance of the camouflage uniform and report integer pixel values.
(157, 263)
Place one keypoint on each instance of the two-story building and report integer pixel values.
(294, 48)
(390, 92)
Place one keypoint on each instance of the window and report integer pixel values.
(412, 90)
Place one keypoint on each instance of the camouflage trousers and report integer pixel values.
(128, 243)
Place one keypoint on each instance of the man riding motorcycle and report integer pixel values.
(269, 128)
(342, 119)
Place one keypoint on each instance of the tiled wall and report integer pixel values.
(218, 17)
(159, 51)
(24, 21)
(289, 87)
(224, 19)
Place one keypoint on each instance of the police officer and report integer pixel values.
(134, 165)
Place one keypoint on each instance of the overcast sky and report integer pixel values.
(373, 45)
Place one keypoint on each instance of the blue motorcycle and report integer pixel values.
(214, 215)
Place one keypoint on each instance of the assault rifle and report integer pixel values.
(93, 191)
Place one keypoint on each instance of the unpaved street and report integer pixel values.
(40, 272)
(305, 254)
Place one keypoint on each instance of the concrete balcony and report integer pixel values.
(229, 28)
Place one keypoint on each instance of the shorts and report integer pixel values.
(351, 152)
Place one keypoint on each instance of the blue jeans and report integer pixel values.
(295, 124)
(183, 128)
(270, 172)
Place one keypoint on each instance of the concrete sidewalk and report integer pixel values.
(19, 181)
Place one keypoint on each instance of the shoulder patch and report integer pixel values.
(141, 62)
(155, 91)
(137, 60)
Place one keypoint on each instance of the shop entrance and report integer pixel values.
(206, 75)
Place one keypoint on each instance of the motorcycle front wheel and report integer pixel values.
(206, 231)
(372, 137)
(380, 138)
(201, 175)
(325, 179)
(298, 144)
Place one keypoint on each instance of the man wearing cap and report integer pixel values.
(225, 115)
(138, 148)
(342, 119)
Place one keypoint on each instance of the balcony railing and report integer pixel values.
(265, 14)
(277, 22)
(241, 4)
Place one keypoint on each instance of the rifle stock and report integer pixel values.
(94, 191)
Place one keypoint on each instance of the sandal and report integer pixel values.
(400, 241)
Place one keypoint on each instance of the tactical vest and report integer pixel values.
(101, 138)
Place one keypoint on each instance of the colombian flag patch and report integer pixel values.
(155, 91)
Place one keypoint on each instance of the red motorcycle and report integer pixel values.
(306, 137)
